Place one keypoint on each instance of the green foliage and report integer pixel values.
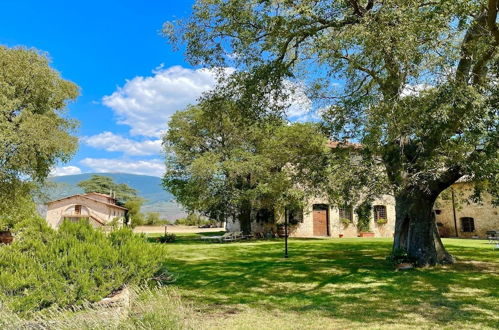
(414, 82)
(193, 219)
(153, 218)
(420, 95)
(381, 221)
(167, 238)
(221, 164)
(105, 185)
(363, 216)
(16, 205)
(35, 133)
(345, 221)
(134, 216)
(74, 264)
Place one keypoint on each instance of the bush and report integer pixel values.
(167, 238)
(381, 221)
(345, 221)
(364, 216)
(77, 263)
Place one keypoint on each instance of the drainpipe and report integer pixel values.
(454, 211)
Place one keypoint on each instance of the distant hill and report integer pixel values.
(149, 188)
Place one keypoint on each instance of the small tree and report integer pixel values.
(134, 216)
(153, 218)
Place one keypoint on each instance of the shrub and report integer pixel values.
(364, 216)
(75, 264)
(167, 238)
(345, 221)
(381, 221)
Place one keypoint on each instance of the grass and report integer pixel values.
(325, 284)
(333, 283)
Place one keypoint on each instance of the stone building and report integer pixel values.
(99, 209)
(457, 216)
(321, 219)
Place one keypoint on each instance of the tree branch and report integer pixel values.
(493, 7)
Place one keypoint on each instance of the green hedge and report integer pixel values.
(72, 265)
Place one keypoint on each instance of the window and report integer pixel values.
(264, 215)
(467, 224)
(77, 209)
(295, 216)
(379, 212)
(346, 213)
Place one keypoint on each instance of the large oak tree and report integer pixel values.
(414, 81)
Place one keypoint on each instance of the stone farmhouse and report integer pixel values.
(321, 219)
(99, 209)
(456, 216)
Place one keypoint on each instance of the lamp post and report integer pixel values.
(286, 233)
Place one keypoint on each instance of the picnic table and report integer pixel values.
(493, 236)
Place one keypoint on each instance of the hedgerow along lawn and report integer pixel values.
(333, 283)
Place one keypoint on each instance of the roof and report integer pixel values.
(100, 194)
(338, 144)
(89, 198)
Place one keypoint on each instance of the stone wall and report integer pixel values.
(336, 227)
(485, 215)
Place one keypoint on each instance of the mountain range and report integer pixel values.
(149, 187)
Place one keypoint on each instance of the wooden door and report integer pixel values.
(320, 218)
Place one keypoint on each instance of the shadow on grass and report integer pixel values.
(348, 279)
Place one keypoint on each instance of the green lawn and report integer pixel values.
(333, 283)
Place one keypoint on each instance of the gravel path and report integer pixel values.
(174, 229)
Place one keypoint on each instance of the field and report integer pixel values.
(333, 283)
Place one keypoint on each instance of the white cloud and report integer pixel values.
(146, 103)
(113, 142)
(414, 90)
(65, 170)
(154, 167)
(299, 103)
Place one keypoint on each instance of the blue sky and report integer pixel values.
(131, 81)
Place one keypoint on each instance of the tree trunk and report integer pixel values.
(245, 217)
(416, 231)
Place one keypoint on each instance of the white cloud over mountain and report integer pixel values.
(112, 142)
(154, 167)
(65, 170)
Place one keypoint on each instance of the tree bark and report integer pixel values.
(416, 231)
(244, 217)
